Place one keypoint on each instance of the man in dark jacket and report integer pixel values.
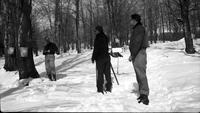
(49, 50)
(138, 45)
(102, 58)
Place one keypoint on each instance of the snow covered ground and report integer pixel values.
(174, 81)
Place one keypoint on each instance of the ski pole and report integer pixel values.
(114, 73)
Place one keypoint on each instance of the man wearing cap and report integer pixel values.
(49, 50)
(102, 58)
(137, 46)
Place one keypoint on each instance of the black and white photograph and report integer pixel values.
(100, 56)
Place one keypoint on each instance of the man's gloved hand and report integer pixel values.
(58, 53)
(130, 58)
(45, 52)
(92, 60)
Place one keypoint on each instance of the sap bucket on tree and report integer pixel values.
(11, 50)
(24, 51)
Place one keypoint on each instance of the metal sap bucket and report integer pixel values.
(11, 50)
(24, 51)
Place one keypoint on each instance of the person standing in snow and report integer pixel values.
(49, 50)
(102, 58)
(137, 47)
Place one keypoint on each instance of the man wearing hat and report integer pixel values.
(49, 50)
(102, 58)
(137, 46)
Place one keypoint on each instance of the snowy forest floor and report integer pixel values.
(173, 76)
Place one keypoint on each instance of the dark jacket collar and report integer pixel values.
(100, 33)
(139, 23)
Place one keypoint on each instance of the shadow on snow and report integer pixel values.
(67, 65)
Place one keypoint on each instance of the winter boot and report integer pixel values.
(108, 88)
(50, 77)
(54, 77)
(144, 99)
(100, 91)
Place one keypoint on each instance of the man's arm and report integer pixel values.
(94, 54)
(135, 45)
(56, 49)
(45, 50)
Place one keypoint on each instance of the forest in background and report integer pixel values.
(70, 24)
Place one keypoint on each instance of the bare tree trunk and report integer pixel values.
(163, 24)
(198, 13)
(57, 22)
(150, 20)
(9, 36)
(185, 15)
(91, 25)
(169, 21)
(110, 16)
(85, 39)
(26, 64)
(78, 40)
(2, 24)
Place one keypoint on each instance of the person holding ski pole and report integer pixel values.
(102, 58)
(137, 47)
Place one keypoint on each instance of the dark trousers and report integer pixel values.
(103, 68)
(50, 67)
(50, 64)
(140, 70)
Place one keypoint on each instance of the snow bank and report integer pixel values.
(173, 80)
